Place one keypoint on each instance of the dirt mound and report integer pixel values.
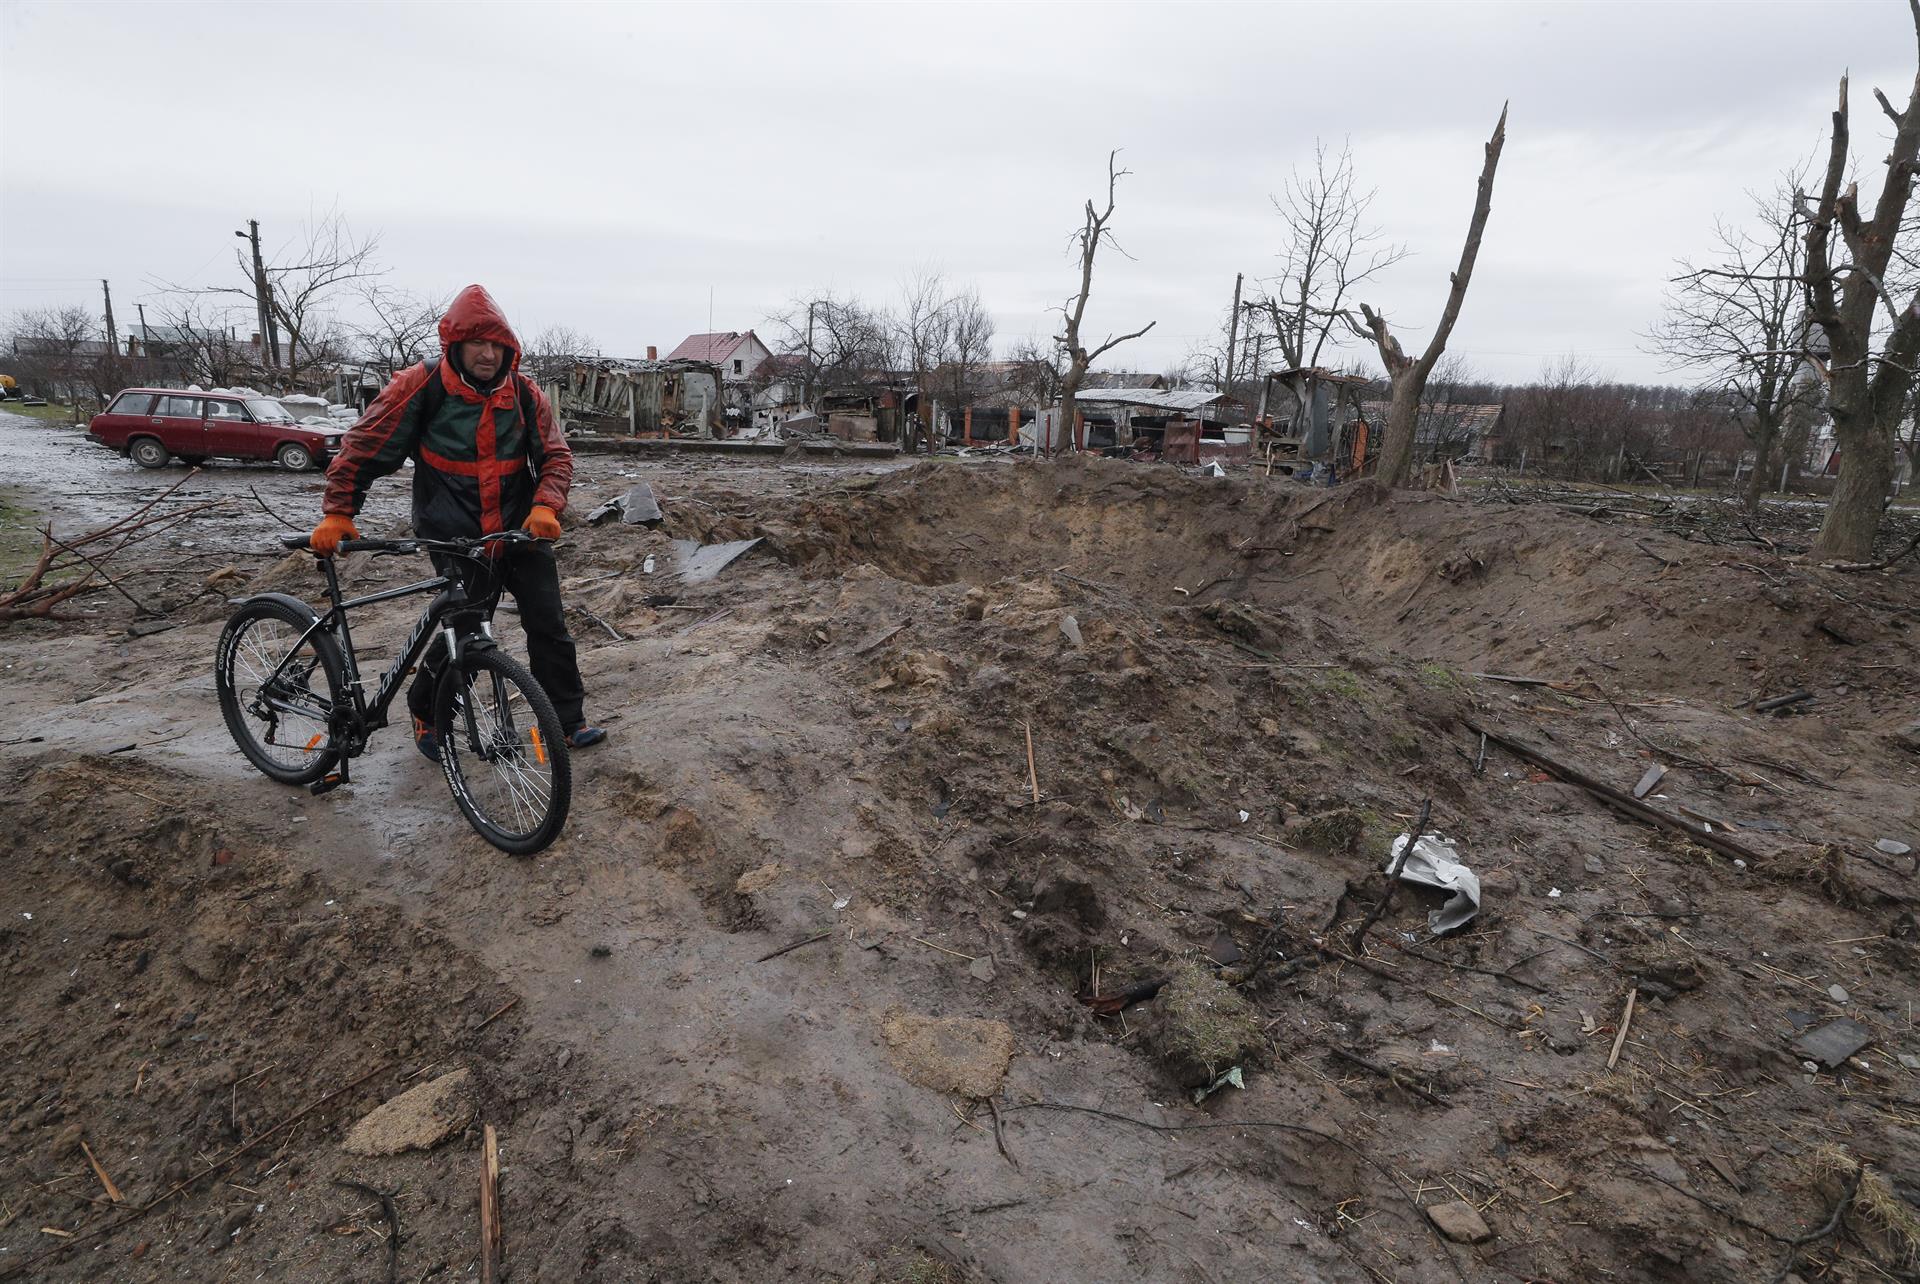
(181, 948)
(1540, 592)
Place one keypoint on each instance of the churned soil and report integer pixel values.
(1237, 693)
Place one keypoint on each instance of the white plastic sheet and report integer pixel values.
(1434, 863)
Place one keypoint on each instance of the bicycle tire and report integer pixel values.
(317, 755)
(524, 752)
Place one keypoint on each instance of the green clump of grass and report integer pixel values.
(1207, 1020)
(1438, 677)
(922, 1269)
(1342, 682)
(1334, 831)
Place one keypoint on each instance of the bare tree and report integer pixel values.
(1036, 372)
(194, 335)
(969, 349)
(54, 350)
(555, 350)
(1330, 249)
(304, 285)
(1229, 359)
(1846, 286)
(847, 345)
(922, 327)
(398, 328)
(1741, 324)
(945, 336)
(1093, 230)
(1408, 375)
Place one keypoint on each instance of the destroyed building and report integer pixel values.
(644, 398)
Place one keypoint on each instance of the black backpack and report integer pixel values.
(433, 395)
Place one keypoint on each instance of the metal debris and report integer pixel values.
(702, 562)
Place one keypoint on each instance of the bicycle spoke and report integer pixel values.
(522, 794)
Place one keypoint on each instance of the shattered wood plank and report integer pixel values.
(490, 1207)
(1515, 680)
(1623, 803)
(1648, 781)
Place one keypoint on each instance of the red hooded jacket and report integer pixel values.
(479, 468)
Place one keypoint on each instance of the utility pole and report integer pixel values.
(113, 336)
(1233, 331)
(141, 308)
(809, 391)
(268, 333)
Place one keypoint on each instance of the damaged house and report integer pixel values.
(645, 398)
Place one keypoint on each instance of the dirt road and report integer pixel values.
(1237, 692)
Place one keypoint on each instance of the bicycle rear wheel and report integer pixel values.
(503, 751)
(279, 714)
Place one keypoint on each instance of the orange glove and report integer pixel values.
(542, 523)
(326, 537)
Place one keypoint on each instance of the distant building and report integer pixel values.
(1446, 429)
(738, 353)
(1103, 379)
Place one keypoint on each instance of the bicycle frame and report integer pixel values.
(352, 726)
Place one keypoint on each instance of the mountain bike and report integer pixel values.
(291, 691)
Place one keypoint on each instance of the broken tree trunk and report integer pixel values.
(1406, 375)
(1866, 391)
(1079, 360)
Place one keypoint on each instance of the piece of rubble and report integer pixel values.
(1892, 847)
(1832, 1043)
(636, 507)
(1460, 1222)
(418, 1119)
(757, 880)
(702, 562)
(959, 1055)
(1837, 993)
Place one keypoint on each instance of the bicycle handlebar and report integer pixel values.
(303, 543)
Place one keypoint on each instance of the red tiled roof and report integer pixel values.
(717, 347)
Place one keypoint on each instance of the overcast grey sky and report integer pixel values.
(606, 166)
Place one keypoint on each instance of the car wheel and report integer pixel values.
(148, 453)
(294, 458)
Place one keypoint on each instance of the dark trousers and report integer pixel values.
(531, 576)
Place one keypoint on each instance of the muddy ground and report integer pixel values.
(1238, 692)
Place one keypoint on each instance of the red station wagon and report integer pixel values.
(152, 425)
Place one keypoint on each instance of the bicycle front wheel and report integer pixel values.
(503, 751)
(278, 692)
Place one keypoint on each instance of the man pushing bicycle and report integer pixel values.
(488, 457)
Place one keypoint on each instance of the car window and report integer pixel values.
(268, 411)
(179, 407)
(217, 409)
(131, 403)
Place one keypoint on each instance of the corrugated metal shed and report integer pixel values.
(1183, 399)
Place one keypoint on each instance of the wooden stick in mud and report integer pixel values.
(490, 1208)
(113, 1191)
(1626, 1023)
(1623, 803)
(1033, 777)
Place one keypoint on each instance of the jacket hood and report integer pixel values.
(474, 315)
